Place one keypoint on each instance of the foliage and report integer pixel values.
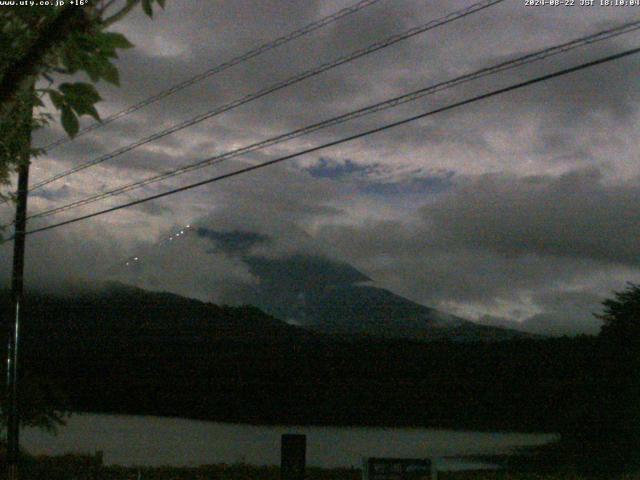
(13, 131)
(41, 45)
(620, 368)
(601, 434)
(42, 405)
(621, 316)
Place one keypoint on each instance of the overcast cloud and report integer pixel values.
(524, 207)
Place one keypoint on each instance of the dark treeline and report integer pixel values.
(128, 351)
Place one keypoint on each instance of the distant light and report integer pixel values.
(181, 231)
(127, 263)
(135, 258)
(170, 238)
(188, 226)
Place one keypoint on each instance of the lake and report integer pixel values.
(154, 441)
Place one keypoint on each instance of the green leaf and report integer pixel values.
(80, 93)
(70, 60)
(93, 67)
(94, 113)
(115, 40)
(81, 97)
(103, 46)
(69, 121)
(110, 74)
(86, 42)
(83, 109)
(146, 7)
(88, 110)
(57, 99)
(161, 3)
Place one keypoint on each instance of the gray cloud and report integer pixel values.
(232, 242)
(491, 209)
(573, 215)
(563, 313)
(499, 243)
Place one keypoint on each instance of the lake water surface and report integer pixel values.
(153, 441)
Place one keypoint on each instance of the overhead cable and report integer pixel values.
(265, 47)
(275, 87)
(388, 126)
(393, 102)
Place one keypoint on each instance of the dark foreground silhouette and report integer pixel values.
(133, 352)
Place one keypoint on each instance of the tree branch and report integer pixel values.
(105, 6)
(120, 14)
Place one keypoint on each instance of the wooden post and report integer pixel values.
(293, 457)
(97, 464)
(17, 296)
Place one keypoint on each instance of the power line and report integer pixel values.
(265, 47)
(345, 139)
(412, 96)
(278, 86)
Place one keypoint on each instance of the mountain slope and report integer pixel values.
(123, 312)
(329, 297)
(311, 290)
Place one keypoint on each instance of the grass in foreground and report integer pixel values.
(88, 467)
(250, 472)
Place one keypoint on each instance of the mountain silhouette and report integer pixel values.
(331, 297)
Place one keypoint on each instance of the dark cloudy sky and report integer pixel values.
(524, 207)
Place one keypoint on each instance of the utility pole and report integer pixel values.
(17, 295)
(17, 300)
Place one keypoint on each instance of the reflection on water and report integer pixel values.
(153, 441)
